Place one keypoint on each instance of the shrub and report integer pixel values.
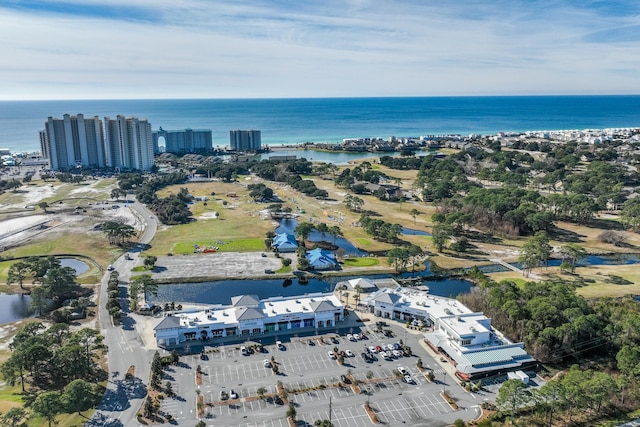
(613, 237)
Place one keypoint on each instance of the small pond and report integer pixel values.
(412, 232)
(79, 266)
(14, 307)
(289, 225)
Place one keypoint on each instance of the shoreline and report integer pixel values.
(460, 135)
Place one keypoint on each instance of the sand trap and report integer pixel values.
(209, 215)
(16, 224)
(90, 190)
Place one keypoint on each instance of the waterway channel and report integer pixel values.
(220, 292)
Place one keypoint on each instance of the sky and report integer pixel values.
(146, 49)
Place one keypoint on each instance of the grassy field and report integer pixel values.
(592, 281)
(70, 241)
(361, 262)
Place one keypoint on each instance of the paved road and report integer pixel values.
(123, 397)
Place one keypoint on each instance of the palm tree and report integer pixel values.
(303, 230)
(414, 213)
(261, 391)
(334, 231)
(358, 290)
(323, 229)
(146, 283)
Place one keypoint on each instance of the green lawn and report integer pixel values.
(284, 269)
(361, 262)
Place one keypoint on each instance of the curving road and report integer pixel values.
(123, 397)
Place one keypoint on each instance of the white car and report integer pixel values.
(349, 353)
(266, 363)
(372, 349)
(350, 337)
(403, 370)
(233, 395)
(332, 355)
(408, 379)
(243, 350)
(396, 353)
(383, 354)
(280, 345)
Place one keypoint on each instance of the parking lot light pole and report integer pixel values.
(444, 382)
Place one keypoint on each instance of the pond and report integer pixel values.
(220, 292)
(79, 266)
(289, 225)
(14, 307)
(412, 232)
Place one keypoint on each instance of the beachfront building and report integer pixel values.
(285, 242)
(247, 316)
(466, 338)
(128, 143)
(183, 141)
(245, 140)
(73, 141)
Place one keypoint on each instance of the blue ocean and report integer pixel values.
(291, 121)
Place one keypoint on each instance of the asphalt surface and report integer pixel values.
(124, 397)
(301, 365)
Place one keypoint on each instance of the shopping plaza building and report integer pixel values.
(464, 337)
(249, 316)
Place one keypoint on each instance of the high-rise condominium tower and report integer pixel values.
(128, 143)
(74, 141)
(245, 140)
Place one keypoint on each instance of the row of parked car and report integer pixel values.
(383, 351)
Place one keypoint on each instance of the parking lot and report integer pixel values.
(313, 382)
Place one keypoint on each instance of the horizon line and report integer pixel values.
(328, 97)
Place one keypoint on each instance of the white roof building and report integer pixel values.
(467, 338)
(249, 316)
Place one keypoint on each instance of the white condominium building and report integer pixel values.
(73, 141)
(128, 143)
(245, 140)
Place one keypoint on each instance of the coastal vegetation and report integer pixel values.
(55, 370)
(530, 201)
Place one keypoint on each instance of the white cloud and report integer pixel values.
(334, 48)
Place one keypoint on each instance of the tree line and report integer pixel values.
(56, 368)
(561, 328)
